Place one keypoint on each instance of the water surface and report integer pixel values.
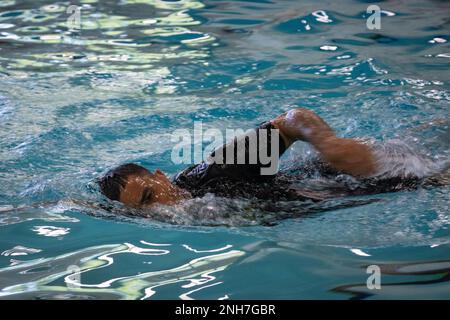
(74, 103)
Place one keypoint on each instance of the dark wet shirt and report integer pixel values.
(239, 179)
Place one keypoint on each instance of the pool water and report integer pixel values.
(77, 99)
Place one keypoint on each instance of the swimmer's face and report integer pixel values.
(148, 189)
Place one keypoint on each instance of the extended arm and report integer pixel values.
(346, 155)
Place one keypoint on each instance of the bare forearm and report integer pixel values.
(346, 155)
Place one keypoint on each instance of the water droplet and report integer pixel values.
(438, 40)
(328, 48)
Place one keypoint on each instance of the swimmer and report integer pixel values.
(137, 187)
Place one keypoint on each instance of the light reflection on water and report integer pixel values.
(76, 102)
(122, 38)
(36, 276)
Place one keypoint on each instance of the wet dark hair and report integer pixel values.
(112, 183)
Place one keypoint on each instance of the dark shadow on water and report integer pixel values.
(426, 272)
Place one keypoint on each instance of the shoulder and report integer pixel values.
(191, 175)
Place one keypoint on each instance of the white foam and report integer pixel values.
(395, 158)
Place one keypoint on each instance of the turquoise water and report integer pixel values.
(74, 103)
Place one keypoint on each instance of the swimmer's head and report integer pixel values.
(135, 186)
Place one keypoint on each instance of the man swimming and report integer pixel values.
(137, 187)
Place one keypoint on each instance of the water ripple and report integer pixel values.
(77, 101)
(37, 275)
